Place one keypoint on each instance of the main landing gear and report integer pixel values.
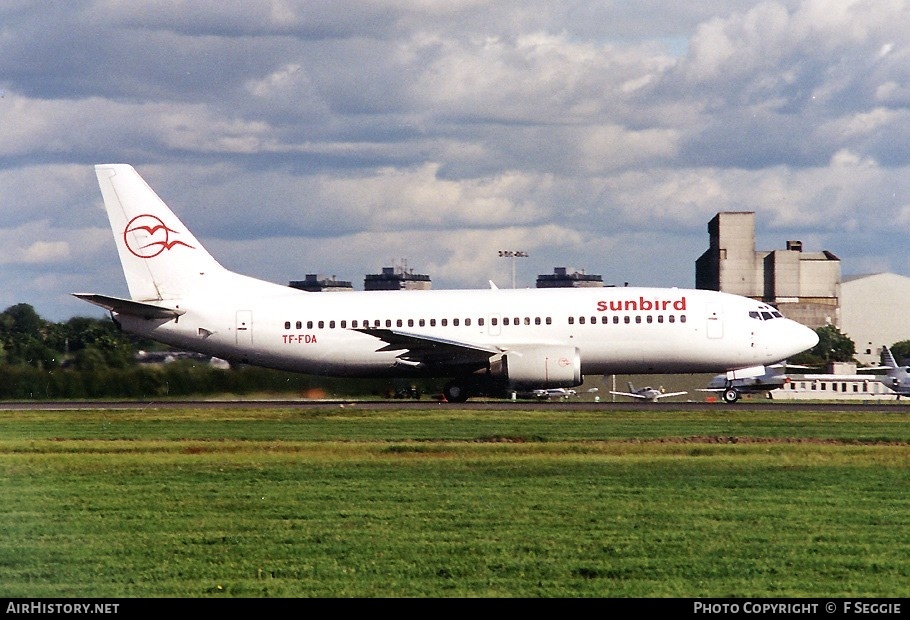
(730, 395)
(456, 392)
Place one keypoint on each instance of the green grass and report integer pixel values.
(448, 502)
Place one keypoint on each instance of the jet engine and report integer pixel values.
(539, 367)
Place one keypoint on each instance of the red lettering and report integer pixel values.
(641, 304)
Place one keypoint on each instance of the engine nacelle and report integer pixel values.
(539, 367)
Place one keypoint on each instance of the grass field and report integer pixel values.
(449, 502)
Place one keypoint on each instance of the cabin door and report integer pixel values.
(715, 328)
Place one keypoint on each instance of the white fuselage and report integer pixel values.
(615, 330)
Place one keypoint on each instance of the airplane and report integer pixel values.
(648, 393)
(897, 377)
(551, 393)
(773, 377)
(482, 342)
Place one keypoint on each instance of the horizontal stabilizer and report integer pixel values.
(128, 306)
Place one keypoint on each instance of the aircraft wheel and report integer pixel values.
(731, 395)
(455, 393)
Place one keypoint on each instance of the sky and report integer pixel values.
(338, 138)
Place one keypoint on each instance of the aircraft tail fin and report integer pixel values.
(888, 358)
(161, 258)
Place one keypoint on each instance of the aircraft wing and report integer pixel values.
(631, 395)
(420, 350)
(128, 306)
(648, 397)
(667, 394)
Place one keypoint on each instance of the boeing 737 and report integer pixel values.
(483, 342)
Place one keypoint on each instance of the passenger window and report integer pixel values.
(287, 325)
(321, 324)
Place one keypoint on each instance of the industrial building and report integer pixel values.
(563, 277)
(805, 286)
(315, 283)
(396, 279)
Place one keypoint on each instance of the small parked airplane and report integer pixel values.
(553, 393)
(897, 377)
(648, 393)
(485, 341)
(773, 377)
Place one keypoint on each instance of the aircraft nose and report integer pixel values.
(803, 338)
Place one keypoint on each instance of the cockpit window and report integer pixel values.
(765, 315)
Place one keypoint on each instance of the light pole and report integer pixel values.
(513, 254)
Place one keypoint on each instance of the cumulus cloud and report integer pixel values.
(601, 135)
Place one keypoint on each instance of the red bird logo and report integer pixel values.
(146, 236)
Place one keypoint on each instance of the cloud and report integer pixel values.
(600, 135)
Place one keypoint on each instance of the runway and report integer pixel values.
(896, 407)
